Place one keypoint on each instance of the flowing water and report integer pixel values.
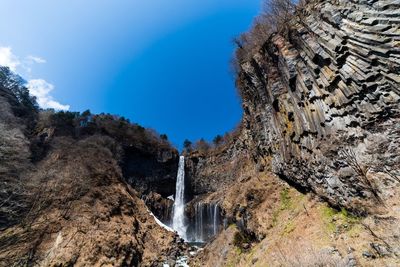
(207, 222)
(178, 220)
(215, 219)
(207, 216)
(207, 219)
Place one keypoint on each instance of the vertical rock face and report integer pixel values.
(321, 108)
(149, 170)
(208, 173)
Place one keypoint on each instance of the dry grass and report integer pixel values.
(302, 254)
(299, 230)
(82, 212)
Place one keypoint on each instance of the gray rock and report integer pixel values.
(367, 254)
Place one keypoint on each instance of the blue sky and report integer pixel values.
(163, 64)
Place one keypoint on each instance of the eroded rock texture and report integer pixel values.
(14, 154)
(322, 106)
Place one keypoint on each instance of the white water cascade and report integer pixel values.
(207, 221)
(215, 219)
(178, 220)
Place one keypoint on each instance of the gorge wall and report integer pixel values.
(321, 114)
(327, 98)
(321, 106)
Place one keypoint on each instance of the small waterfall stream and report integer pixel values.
(207, 221)
(216, 219)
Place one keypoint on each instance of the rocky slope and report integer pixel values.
(321, 111)
(83, 214)
(269, 223)
(64, 199)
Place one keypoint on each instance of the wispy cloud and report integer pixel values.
(35, 59)
(37, 87)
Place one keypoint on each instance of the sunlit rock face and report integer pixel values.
(321, 107)
(64, 199)
(207, 173)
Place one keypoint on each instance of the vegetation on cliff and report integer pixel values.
(64, 198)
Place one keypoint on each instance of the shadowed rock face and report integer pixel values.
(327, 99)
(161, 207)
(151, 171)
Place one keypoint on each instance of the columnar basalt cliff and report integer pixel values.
(321, 106)
(326, 99)
(321, 112)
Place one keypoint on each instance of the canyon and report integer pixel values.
(309, 178)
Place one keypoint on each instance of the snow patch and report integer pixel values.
(161, 224)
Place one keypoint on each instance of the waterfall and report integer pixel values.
(178, 220)
(215, 215)
(206, 222)
(198, 225)
(206, 215)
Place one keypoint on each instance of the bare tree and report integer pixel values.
(275, 18)
(279, 14)
(202, 146)
(350, 158)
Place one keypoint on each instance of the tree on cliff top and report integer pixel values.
(202, 146)
(187, 145)
(164, 137)
(218, 139)
(278, 14)
(275, 18)
(23, 103)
